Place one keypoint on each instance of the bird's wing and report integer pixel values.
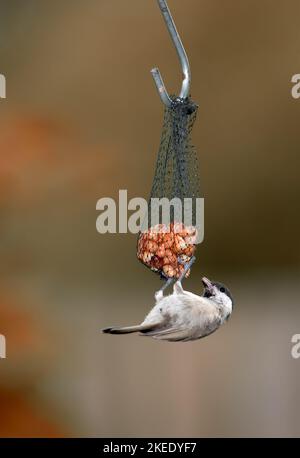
(176, 336)
(171, 333)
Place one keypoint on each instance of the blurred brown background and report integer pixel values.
(82, 120)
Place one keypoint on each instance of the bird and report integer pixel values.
(184, 316)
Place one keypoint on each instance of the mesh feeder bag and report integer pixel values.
(167, 241)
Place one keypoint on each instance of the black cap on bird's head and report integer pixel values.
(212, 288)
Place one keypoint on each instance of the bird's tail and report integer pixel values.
(129, 329)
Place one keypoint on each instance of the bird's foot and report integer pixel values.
(159, 294)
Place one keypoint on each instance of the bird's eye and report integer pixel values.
(222, 289)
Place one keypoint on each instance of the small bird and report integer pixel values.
(184, 316)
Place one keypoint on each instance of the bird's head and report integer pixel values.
(218, 293)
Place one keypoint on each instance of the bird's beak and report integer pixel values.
(207, 284)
